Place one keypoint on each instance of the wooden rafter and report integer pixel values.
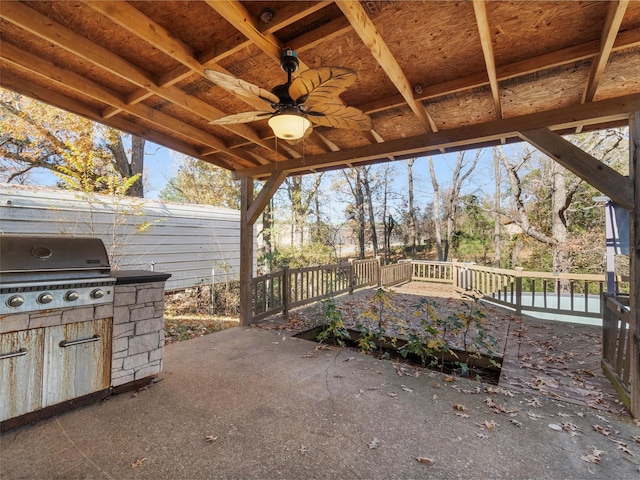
(370, 36)
(609, 33)
(52, 98)
(482, 20)
(38, 67)
(51, 31)
(473, 136)
(137, 23)
(238, 16)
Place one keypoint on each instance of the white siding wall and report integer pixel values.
(186, 241)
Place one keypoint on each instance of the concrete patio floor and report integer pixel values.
(249, 403)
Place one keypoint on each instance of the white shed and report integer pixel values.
(188, 241)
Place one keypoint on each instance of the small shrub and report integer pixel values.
(334, 329)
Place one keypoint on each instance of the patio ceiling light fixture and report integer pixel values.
(289, 125)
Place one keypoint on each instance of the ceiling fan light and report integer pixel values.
(289, 126)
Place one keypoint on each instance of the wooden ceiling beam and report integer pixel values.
(134, 21)
(611, 110)
(625, 40)
(482, 20)
(368, 33)
(586, 167)
(45, 28)
(47, 95)
(615, 14)
(237, 15)
(290, 14)
(39, 67)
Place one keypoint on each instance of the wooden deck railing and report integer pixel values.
(524, 291)
(395, 273)
(439, 272)
(366, 272)
(291, 287)
(616, 345)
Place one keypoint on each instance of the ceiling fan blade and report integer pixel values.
(240, 87)
(322, 84)
(244, 117)
(339, 116)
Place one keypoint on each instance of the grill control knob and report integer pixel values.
(97, 293)
(15, 301)
(45, 298)
(71, 296)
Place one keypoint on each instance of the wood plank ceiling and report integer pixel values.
(433, 76)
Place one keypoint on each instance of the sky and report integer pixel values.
(162, 163)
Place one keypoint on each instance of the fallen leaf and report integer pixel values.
(406, 389)
(373, 443)
(210, 438)
(555, 426)
(460, 414)
(425, 460)
(459, 408)
(515, 422)
(392, 394)
(350, 359)
(636, 439)
(302, 449)
(600, 429)
(360, 392)
(593, 456)
(448, 379)
(625, 449)
(481, 435)
(138, 462)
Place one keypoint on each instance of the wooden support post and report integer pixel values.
(246, 251)
(250, 209)
(518, 276)
(634, 254)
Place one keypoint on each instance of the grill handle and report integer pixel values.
(71, 343)
(20, 353)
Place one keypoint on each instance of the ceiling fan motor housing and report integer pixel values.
(289, 61)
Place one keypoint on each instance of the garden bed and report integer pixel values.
(456, 362)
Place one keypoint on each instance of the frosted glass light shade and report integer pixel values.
(288, 126)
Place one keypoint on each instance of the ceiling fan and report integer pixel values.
(312, 97)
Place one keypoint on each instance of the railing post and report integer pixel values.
(378, 267)
(518, 276)
(286, 294)
(351, 276)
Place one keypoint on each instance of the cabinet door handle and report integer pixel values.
(71, 343)
(19, 353)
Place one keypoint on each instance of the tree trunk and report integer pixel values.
(129, 169)
(266, 237)
(372, 216)
(412, 213)
(436, 210)
(561, 258)
(497, 254)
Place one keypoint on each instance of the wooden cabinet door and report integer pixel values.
(21, 359)
(77, 360)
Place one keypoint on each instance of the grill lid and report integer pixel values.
(35, 258)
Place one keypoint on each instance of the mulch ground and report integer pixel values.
(559, 360)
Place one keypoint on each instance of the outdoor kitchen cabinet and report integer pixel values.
(47, 366)
(21, 361)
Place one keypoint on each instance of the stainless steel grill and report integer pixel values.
(39, 273)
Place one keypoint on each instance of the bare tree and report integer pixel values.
(497, 253)
(412, 212)
(436, 210)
